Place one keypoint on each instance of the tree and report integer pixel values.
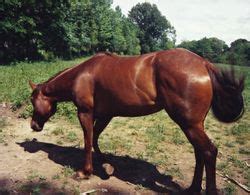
(239, 52)
(156, 32)
(124, 34)
(210, 48)
(18, 31)
(44, 29)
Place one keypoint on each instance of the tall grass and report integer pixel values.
(14, 87)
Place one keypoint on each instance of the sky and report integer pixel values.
(227, 20)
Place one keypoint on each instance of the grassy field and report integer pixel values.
(155, 138)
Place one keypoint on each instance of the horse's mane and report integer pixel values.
(51, 78)
(107, 53)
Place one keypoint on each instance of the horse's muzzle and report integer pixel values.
(35, 126)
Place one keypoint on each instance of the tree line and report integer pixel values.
(217, 50)
(46, 29)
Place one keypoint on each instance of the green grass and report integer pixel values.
(230, 189)
(67, 171)
(3, 124)
(14, 87)
(58, 131)
(71, 136)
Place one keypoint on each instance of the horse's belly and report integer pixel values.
(114, 109)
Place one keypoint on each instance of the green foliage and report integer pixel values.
(67, 109)
(33, 30)
(27, 112)
(156, 32)
(230, 189)
(67, 171)
(240, 129)
(178, 137)
(210, 48)
(58, 131)
(14, 87)
(217, 51)
(239, 53)
(71, 136)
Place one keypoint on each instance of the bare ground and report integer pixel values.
(35, 163)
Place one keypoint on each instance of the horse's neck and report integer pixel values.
(60, 87)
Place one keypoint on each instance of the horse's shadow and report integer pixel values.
(128, 169)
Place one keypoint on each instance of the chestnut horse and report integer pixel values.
(177, 80)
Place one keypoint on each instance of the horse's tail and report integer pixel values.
(227, 103)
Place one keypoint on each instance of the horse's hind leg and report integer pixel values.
(205, 154)
(99, 126)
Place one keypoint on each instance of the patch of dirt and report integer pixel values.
(33, 163)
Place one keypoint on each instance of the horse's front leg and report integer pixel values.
(86, 120)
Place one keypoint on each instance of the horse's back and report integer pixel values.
(126, 85)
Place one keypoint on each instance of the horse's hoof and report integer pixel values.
(213, 192)
(191, 191)
(80, 175)
(109, 169)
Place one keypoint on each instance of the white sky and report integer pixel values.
(227, 20)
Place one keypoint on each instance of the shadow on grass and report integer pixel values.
(29, 187)
(128, 169)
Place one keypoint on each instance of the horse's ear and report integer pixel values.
(32, 85)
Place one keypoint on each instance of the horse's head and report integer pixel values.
(44, 107)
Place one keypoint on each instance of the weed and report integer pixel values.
(55, 177)
(2, 138)
(244, 151)
(3, 123)
(35, 175)
(27, 112)
(240, 129)
(59, 142)
(140, 155)
(76, 190)
(151, 149)
(67, 171)
(222, 166)
(67, 109)
(175, 171)
(71, 136)
(27, 139)
(236, 162)
(36, 190)
(58, 131)
(247, 177)
(230, 189)
(139, 187)
(156, 134)
(33, 188)
(111, 144)
(177, 137)
(217, 144)
(32, 175)
(242, 132)
(229, 144)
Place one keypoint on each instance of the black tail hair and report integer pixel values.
(227, 103)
